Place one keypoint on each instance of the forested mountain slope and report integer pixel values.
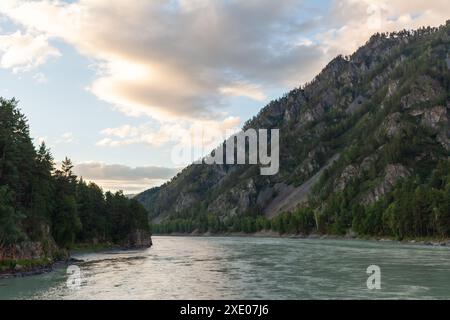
(364, 148)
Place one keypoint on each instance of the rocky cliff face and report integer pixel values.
(32, 250)
(136, 240)
(376, 117)
(28, 251)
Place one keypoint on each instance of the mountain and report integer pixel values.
(364, 148)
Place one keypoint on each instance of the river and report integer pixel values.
(246, 268)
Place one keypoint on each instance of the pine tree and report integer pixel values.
(10, 219)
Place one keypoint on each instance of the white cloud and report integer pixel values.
(66, 137)
(121, 132)
(352, 22)
(181, 132)
(23, 52)
(40, 78)
(244, 90)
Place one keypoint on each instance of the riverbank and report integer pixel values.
(30, 267)
(10, 268)
(438, 242)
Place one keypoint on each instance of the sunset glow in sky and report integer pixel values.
(115, 84)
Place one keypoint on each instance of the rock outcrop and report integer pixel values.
(28, 250)
(137, 240)
(393, 174)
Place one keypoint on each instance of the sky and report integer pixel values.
(117, 85)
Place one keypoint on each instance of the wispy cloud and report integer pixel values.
(181, 132)
(244, 90)
(66, 137)
(40, 78)
(352, 22)
(24, 52)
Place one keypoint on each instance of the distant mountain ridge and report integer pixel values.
(348, 139)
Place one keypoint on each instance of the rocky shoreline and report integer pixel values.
(37, 268)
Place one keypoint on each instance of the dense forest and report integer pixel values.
(416, 208)
(39, 203)
(364, 150)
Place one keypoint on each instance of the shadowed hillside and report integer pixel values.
(364, 148)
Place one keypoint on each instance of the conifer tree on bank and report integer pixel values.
(38, 202)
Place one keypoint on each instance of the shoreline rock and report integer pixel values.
(136, 243)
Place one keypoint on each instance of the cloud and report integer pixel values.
(40, 78)
(351, 22)
(178, 58)
(66, 137)
(182, 60)
(181, 132)
(116, 177)
(24, 52)
(244, 90)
